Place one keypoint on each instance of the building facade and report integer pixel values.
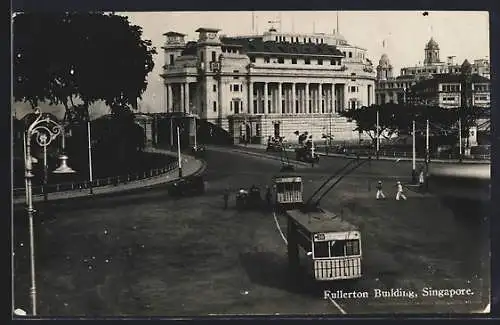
(391, 89)
(272, 84)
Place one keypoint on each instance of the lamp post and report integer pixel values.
(45, 131)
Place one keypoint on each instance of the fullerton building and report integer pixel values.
(266, 85)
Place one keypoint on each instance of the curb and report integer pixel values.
(112, 189)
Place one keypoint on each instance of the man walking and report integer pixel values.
(421, 180)
(400, 193)
(380, 194)
(226, 197)
(268, 196)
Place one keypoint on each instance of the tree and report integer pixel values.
(393, 118)
(90, 56)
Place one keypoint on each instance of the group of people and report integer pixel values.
(242, 191)
(399, 192)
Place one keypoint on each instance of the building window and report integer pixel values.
(252, 59)
(320, 61)
(321, 41)
(307, 61)
(214, 87)
(350, 54)
(231, 106)
(236, 87)
(202, 57)
(215, 106)
(294, 60)
(171, 59)
(276, 38)
(230, 87)
(281, 60)
(305, 40)
(343, 54)
(353, 89)
(266, 59)
(214, 56)
(236, 77)
(310, 40)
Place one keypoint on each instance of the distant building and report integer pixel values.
(450, 91)
(453, 90)
(268, 85)
(391, 89)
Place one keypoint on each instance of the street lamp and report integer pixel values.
(45, 131)
(63, 167)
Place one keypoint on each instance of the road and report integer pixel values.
(143, 253)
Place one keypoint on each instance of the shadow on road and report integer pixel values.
(271, 270)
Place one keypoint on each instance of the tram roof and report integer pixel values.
(320, 221)
(287, 174)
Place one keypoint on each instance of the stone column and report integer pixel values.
(314, 101)
(250, 97)
(332, 108)
(307, 107)
(219, 97)
(345, 99)
(182, 97)
(186, 100)
(280, 99)
(293, 98)
(320, 98)
(266, 108)
(169, 98)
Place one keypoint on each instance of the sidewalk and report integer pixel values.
(323, 154)
(190, 165)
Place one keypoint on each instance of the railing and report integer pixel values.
(112, 180)
(402, 153)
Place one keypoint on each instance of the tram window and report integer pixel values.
(321, 249)
(352, 247)
(337, 248)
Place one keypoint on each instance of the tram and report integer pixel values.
(328, 247)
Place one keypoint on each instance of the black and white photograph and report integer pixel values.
(250, 163)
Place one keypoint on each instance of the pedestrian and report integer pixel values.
(421, 179)
(400, 193)
(380, 194)
(268, 196)
(226, 198)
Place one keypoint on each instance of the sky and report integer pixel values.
(464, 34)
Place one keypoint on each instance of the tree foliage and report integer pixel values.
(398, 118)
(90, 56)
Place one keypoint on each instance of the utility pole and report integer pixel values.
(414, 156)
(460, 138)
(195, 131)
(179, 152)
(90, 156)
(378, 134)
(427, 150)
